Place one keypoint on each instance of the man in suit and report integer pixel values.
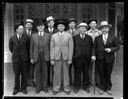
(61, 51)
(39, 54)
(30, 67)
(73, 31)
(81, 58)
(50, 30)
(105, 47)
(93, 32)
(19, 46)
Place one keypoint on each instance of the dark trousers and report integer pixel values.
(81, 66)
(30, 72)
(96, 79)
(50, 74)
(70, 75)
(41, 74)
(105, 71)
(20, 69)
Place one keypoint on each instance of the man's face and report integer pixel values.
(20, 30)
(28, 25)
(72, 25)
(93, 24)
(82, 30)
(61, 27)
(51, 24)
(104, 30)
(41, 28)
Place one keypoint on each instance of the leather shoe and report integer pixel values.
(15, 92)
(109, 92)
(55, 92)
(24, 91)
(101, 92)
(76, 91)
(67, 92)
(46, 91)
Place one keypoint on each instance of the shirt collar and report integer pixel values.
(82, 35)
(41, 33)
(61, 33)
(50, 29)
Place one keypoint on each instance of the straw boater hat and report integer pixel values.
(28, 21)
(71, 20)
(50, 18)
(104, 24)
(82, 25)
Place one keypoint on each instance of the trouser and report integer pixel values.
(70, 74)
(105, 71)
(41, 74)
(20, 69)
(96, 74)
(82, 66)
(61, 72)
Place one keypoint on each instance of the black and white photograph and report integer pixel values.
(63, 49)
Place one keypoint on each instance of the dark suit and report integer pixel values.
(20, 57)
(81, 59)
(40, 53)
(30, 67)
(104, 60)
(50, 69)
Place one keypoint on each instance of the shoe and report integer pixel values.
(15, 92)
(67, 92)
(32, 84)
(55, 92)
(76, 91)
(101, 92)
(24, 91)
(38, 91)
(109, 92)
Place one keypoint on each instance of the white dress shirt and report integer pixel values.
(105, 37)
(41, 33)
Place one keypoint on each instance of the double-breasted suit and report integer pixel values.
(104, 60)
(20, 57)
(61, 51)
(39, 52)
(81, 58)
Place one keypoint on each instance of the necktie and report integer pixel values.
(82, 36)
(29, 32)
(50, 31)
(19, 37)
(105, 39)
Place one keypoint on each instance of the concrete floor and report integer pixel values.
(117, 89)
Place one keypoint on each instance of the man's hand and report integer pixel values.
(108, 50)
(93, 58)
(69, 62)
(32, 61)
(52, 62)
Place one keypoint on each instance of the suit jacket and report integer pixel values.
(54, 31)
(99, 46)
(78, 47)
(62, 45)
(19, 49)
(34, 49)
(74, 32)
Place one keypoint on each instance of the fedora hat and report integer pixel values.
(28, 21)
(82, 25)
(60, 21)
(71, 20)
(50, 18)
(104, 24)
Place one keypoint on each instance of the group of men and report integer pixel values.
(38, 54)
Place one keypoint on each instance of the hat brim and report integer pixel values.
(28, 22)
(50, 20)
(82, 26)
(109, 26)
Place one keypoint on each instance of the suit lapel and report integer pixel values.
(16, 40)
(22, 40)
(45, 38)
(102, 41)
(79, 38)
(108, 39)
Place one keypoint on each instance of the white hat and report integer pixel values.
(104, 23)
(49, 18)
(82, 24)
(29, 21)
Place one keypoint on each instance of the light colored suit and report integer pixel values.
(61, 51)
(62, 45)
